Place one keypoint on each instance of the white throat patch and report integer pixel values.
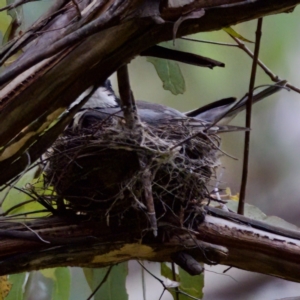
(101, 98)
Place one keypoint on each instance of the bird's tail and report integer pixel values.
(262, 94)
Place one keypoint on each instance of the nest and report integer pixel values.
(107, 169)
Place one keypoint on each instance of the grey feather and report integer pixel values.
(104, 103)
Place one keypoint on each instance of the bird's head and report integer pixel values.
(103, 97)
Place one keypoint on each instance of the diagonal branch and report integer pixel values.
(222, 238)
(248, 118)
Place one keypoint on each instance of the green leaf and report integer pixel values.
(17, 281)
(16, 197)
(61, 282)
(192, 285)
(114, 287)
(38, 287)
(5, 19)
(232, 32)
(48, 273)
(170, 74)
(16, 25)
(89, 276)
(166, 271)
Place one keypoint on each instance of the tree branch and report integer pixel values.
(217, 240)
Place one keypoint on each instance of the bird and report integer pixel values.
(104, 102)
(89, 166)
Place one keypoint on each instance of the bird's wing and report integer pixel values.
(88, 117)
(217, 107)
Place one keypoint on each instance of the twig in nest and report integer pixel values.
(133, 122)
(115, 172)
(205, 136)
(147, 183)
(41, 200)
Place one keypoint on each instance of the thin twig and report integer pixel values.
(158, 279)
(101, 283)
(272, 75)
(42, 201)
(202, 134)
(132, 121)
(17, 180)
(15, 207)
(127, 100)
(227, 269)
(248, 118)
(223, 274)
(16, 4)
(25, 214)
(239, 44)
(164, 286)
(209, 42)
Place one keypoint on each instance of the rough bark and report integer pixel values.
(52, 242)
